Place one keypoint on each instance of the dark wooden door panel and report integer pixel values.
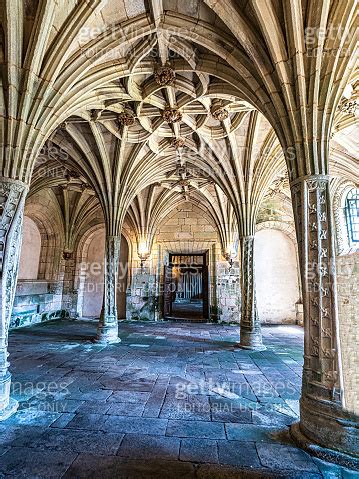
(167, 291)
(205, 287)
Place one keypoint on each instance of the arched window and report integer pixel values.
(352, 215)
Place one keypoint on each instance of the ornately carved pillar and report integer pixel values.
(251, 334)
(325, 428)
(107, 331)
(12, 201)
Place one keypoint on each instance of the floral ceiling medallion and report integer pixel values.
(177, 143)
(165, 75)
(219, 112)
(349, 106)
(171, 115)
(126, 119)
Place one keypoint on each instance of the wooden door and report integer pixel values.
(205, 288)
(167, 292)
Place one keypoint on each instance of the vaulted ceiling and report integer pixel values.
(136, 106)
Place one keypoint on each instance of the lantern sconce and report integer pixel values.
(143, 254)
(229, 256)
(229, 260)
(67, 254)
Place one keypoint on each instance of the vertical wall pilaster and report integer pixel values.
(12, 201)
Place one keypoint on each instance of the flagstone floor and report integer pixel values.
(170, 400)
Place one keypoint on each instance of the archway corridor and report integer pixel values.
(179, 204)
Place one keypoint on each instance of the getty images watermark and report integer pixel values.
(234, 395)
(42, 395)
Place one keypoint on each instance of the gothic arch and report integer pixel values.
(42, 210)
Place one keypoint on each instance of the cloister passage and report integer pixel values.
(170, 400)
(179, 238)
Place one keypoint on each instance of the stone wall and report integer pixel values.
(93, 269)
(277, 277)
(348, 304)
(187, 229)
(30, 250)
(228, 292)
(88, 288)
(39, 292)
(142, 300)
(37, 301)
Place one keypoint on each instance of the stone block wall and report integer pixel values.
(37, 301)
(187, 229)
(142, 302)
(348, 305)
(228, 292)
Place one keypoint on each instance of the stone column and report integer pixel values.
(12, 201)
(107, 331)
(326, 428)
(251, 334)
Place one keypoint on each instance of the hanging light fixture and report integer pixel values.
(143, 254)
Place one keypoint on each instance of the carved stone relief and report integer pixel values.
(12, 200)
(251, 335)
(312, 210)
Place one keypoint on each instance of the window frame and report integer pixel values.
(352, 215)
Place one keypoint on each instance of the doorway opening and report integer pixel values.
(186, 287)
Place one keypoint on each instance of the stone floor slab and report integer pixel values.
(93, 467)
(147, 447)
(23, 463)
(204, 429)
(134, 425)
(285, 457)
(199, 450)
(125, 409)
(237, 453)
(252, 432)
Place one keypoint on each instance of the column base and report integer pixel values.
(11, 409)
(251, 340)
(328, 432)
(107, 334)
(252, 348)
(329, 455)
